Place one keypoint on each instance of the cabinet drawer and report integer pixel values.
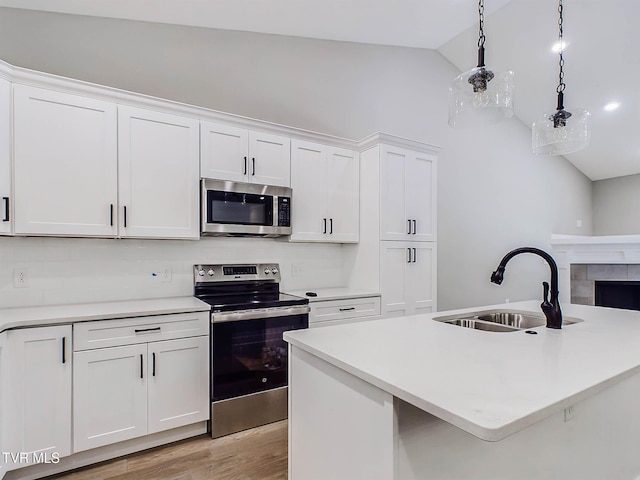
(129, 331)
(344, 309)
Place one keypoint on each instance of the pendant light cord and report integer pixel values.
(561, 84)
(481, 37)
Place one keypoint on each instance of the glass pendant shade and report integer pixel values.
(551, 136)
(479, 97)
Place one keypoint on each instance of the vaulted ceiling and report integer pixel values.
(602, 38)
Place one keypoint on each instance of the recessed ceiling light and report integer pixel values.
(611, 106)
(559, 46)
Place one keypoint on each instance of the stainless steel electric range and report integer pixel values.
(249, 314)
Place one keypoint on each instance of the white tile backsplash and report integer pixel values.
(76, 270)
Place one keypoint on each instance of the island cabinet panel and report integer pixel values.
(65, 164)
(158, 180)
(6, 215)
(36, 365)
(240, 155)
(325, 182)
(407, 194)
(408, 277)
(340, 427)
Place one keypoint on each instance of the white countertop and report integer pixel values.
(489, 384)
(338, 293)
(71, 313)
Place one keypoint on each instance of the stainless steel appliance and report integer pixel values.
(231, 208)
(248, 355)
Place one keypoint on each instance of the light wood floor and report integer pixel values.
(256, 454)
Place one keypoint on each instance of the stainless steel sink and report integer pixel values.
(501, 320)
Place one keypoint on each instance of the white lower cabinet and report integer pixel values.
(331, 312)
(124, 392)
(407, 278)
(35, 373)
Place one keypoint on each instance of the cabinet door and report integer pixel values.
(420, 196)
(394, 222)
(178, 383)
(65, 151)
(5, 157)
(270, 159)
(109, 395)
(309, 220)
(38, 379)
(224, 152)
(343, 195)
(395, 257)
(158, 174)
(421, 277)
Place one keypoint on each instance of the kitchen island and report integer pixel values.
(413, 398)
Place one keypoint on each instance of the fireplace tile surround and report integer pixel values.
(583, 260)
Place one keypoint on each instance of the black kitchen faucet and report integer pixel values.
(550, 306)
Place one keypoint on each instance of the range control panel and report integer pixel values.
(236, 272)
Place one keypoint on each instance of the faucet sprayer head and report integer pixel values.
(498, 276)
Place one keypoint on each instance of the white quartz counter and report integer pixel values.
(338, 293)
(489, 384)
(56, 314)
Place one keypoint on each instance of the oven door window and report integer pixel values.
(239, 208)
(250, 356)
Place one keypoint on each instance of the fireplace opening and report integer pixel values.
(618, 294)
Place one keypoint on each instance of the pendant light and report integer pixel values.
(480, 96)
(563, 131)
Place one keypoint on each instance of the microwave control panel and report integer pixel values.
(284, 211)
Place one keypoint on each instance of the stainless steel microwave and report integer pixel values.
(245, 209)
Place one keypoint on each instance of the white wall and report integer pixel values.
(615, 203)
(493, 195)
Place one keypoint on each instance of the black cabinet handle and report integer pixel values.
(6, 209)
(153, 329)
(409, 252)
(253, 166)
(409, 222)
(111, 214)
(347, 309)
(415, 226)
(415, 256)
(141, 366)
(331, 226)
(245, 166)
(125, 217)
(64, 350)
(153, 364)
(324, 228)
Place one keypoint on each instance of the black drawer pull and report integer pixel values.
(409, 223)
(324, 223)
(64, 349)
(415, 256)
(253, 164)
(140, 330)
(415, 228)
(245, 166)
(331, 227)
(6, 209)
(125, 217)
(111, 214)
(141, 366)
(346, 309)
(153, 364)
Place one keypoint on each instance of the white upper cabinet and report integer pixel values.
(37, 364)
(158, 162)
(408, 194)
(65, 164)
(325, 182)
(240, 155)
(5, 157)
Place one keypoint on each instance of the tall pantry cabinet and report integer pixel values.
(398, 188)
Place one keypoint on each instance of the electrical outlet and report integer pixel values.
(20, 278)
(569, 413)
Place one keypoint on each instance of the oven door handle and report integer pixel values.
(219, 317)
